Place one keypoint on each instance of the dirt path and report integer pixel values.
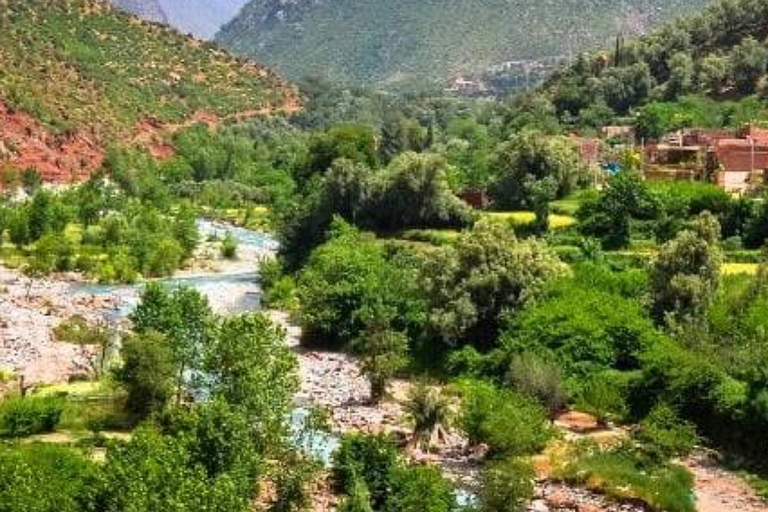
(718, 490)
(155, 135)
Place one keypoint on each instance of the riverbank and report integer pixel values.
(29, 312)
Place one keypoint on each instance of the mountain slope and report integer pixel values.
(77, 75)
(203, 18)
(402, 40)
(721, 52)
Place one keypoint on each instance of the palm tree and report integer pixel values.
(430, 412)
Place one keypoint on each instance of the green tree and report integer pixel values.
(383, 351)
(414, 193)
(485, 275)
(748, 63)
(250, 365)
(609, 215)
(532, 168)
(183, 315)
(685, 275)
(154, 472)
(148, 373)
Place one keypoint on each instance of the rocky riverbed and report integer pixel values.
(29, 312)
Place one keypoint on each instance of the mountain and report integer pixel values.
(404, 41)
(202, 18)
(78, 75)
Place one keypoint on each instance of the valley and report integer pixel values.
(390, 290)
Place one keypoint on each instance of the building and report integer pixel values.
(737, 163)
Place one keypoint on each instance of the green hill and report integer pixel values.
(688, 72)
(402, 41)
(77, 75)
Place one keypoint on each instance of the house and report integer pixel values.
(736, 163)
(739, 164)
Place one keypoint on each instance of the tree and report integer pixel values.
(748, 63)
(414, 193)
(249, 365)
(345, 275)
(681, 75)
(219, 437)
(155, 472)
(608, 216)
(31, 180)
(531, 163)
(383, 350)
(185, 318)
(713, 72)
(685, 275)
(487, 274)
(148, 373)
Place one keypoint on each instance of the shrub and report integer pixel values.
(665, 435)
(538, 379)
(43, 478)
(369, 459)
(509, 423)
(604, 395)
(419, 489)
(359, 499)
(506, 485)
(22, 417)
(229, 247)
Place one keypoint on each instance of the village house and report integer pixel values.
(736, 163)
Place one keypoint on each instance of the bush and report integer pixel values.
(229, 247)
(664, 435)
(43, 478)
(604, 395)
(509, 423)
(420, 489)
(506, 485)
(538, 379)
(369, 459)
(22, 417)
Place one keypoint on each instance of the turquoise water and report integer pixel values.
(241, 290)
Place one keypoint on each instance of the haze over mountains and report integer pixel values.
(403, 41)
(202, 18)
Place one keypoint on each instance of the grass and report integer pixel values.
(88, 403)
(621, 474)
(556, 221)
(730, 269)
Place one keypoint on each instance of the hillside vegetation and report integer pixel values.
(720, 54)
(70, 62)
(400, 41)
